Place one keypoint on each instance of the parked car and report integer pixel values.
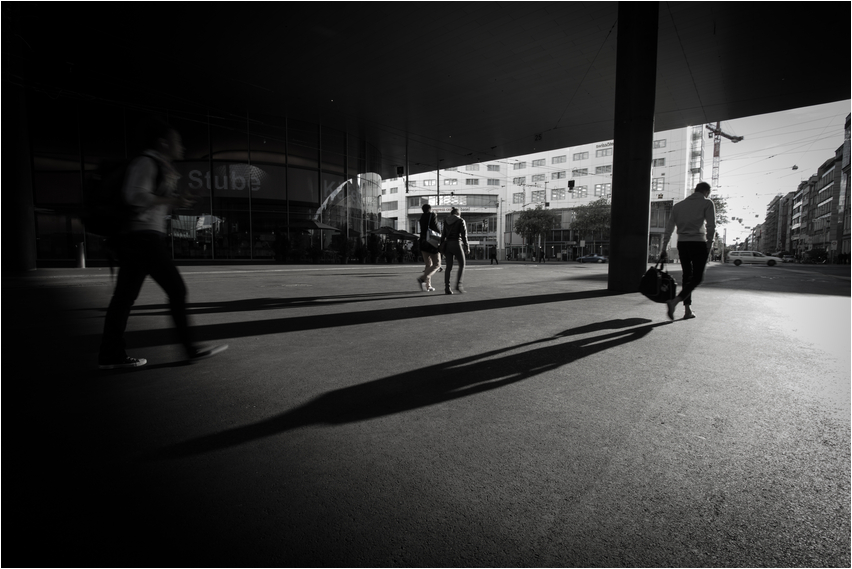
(592, 259)
(788, 259)
(740, 257)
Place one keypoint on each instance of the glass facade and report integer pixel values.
(264, 187)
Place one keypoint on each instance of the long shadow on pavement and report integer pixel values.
(252, 304)
(272, 303)
(426, 386)
(253, 328)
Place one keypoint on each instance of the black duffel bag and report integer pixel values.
(657, 284)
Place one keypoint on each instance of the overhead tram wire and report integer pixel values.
(686, 62)
(586, 74)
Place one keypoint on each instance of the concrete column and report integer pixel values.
(635, 92)
(19, 232)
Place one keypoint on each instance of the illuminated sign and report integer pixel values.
(463, 209)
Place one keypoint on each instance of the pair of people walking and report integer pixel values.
(454, 244)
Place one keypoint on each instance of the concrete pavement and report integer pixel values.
(537, 420)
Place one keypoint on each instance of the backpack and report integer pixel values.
(105, 212)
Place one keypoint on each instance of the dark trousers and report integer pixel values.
(494, 260)
(693, 259)
(454, 252)
(141, 254)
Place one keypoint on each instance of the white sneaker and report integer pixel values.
(430, 289)
(126, 362)
(204, 353)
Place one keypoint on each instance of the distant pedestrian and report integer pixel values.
(150, 187)
(695, 219)
(494, 257)
(454, 239)
(428, 220)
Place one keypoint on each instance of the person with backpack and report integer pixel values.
(454, 244)
(150, 189)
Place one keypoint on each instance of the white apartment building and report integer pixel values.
(489, 194)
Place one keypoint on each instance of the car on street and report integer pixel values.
(752, 257)
(592, 259)
(788, 259)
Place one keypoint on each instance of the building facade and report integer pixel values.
(824, 227)
(264, 187)
(491, 194)
(812, 222)
(843, 205)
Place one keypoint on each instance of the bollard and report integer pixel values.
(81, 255)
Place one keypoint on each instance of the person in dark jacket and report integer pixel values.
(150, 187)
(428, 220)
(454, 238)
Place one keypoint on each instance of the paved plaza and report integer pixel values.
(537, 420)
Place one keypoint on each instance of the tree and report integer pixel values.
(721, 206)
(532, 223)
(594, 218)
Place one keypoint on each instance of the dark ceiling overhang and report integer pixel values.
(434, 85)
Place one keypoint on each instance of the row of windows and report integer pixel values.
(603, 190)
(536, 196)
(557, 194)
(475, 168)
(578, 172)
(539, 162)
(521, 180)
(603, 152)
(468, 200)
(455, 182)
(575, 173)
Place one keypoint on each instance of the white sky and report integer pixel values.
(753, 171)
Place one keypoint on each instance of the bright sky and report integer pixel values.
(759, 167)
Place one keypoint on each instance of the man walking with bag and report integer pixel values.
(695, 218)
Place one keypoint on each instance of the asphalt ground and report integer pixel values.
(537, 420)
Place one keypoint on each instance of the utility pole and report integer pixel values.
(438, 187)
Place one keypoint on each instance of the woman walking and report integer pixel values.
(428, 220)
(454, 240)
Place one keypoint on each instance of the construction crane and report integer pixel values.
(717, 134)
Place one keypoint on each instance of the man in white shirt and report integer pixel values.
(695, 218)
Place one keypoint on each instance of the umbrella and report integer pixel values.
(395, 233)
(408, 236)
(310, 224)
(384, 231)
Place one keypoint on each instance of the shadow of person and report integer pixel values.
(427, 386)
(276, 303)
